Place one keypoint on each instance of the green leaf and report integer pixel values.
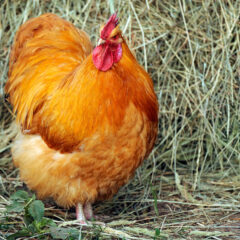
(15, 207)
(27, 219)
(33, 228)
(40, 225)
(63, 233)
(157, 232)
(46, 222)
(20, 195)
(17, 235)
(36, 210)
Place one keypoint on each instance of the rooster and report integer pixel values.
(86, 117)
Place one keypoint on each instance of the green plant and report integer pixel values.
(33, 215)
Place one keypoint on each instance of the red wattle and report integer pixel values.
(105, 55)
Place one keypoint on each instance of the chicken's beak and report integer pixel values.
(100, 41)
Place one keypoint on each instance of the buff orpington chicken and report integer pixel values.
(86, 117)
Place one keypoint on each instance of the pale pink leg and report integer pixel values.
(88, 212)
(80, 214)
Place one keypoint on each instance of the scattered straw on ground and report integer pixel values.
(189, 186)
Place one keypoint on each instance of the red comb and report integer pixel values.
(109, 26)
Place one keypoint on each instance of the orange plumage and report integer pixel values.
(82, 131)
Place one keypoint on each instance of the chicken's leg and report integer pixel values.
(80, 214)
(88, 212)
